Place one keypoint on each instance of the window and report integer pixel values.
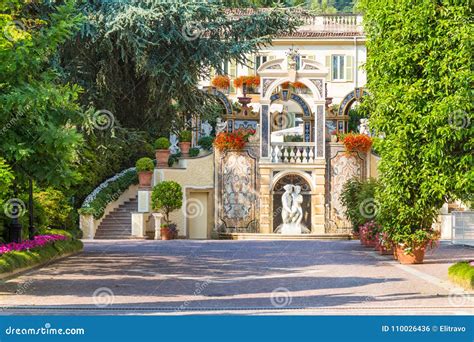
(259, 60)
(338, 67)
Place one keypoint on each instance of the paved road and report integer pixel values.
(254, 277)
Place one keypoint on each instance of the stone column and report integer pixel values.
(265, 131)
(265, 220)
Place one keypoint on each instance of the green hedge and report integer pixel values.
(462, 273)
(19, 259)
(109, 193)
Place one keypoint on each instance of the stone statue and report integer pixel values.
(221, 126)
(364, 127)
(292, 211)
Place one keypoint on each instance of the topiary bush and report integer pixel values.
(166, 197)
(194, 152)
(185, 136)
(107, 192)
(144, 164)
(206, 142)
(162, 143)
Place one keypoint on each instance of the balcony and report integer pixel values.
(293, 152)
(333, 23)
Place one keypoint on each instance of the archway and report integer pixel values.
(344, 121)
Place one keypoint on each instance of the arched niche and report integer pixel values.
(278, 190)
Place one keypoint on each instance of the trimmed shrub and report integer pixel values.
(185, 136)
(194, 152)
(206, 142)
(462, 273)
(144, 164)
(54, 208)
(166, 197)
(162, 143)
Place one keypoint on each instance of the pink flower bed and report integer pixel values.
(38, 241)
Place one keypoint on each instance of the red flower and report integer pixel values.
(357, 142)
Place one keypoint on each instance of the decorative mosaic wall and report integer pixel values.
(341, 168)
(237, 196)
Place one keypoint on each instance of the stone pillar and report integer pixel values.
(144, 200)
(139, 221)
(265, 131)
(265, 220)
(157, 217)
(87, 225)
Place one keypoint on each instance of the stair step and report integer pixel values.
(118, 223)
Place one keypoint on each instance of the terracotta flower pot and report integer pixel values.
(144, 178)
(415, 257)
(162, 157)
(184, 147)
(166, 233)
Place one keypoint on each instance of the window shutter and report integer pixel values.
(349, 76)
(328, 65)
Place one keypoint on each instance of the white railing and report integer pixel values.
(334, 22)
(463, 228)
(293, 153)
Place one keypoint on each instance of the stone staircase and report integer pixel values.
(118, 223)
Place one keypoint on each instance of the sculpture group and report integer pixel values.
(292, 211)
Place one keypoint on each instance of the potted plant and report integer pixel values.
(162, 152)
(145, 168)
(411, 246)
(194, 152)
(334, 136)
(185, 138)
(167, 197)
(382, 244)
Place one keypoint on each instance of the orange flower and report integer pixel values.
(221, 81)
(354, 142)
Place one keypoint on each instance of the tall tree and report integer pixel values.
(420, 77)
(38, 113)
(143, 59)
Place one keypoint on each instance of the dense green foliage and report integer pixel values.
(358, 199)
(420, 77)
(144, 164)
(194, 152)
(166, 197)
(463, 274)
(111, 192)
(144, 58)
(19, 259)
(38, 111)
(206, 142)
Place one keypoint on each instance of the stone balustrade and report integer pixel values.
(293, 153)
